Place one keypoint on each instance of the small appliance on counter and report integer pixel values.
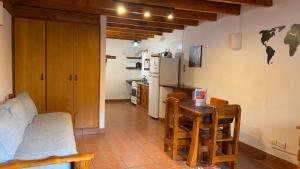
(138, 65)
(167, 54)
(144, 80)
(147, 64)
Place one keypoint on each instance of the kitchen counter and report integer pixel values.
(176, 86)
(130, 81)
(166, 89)
(143, 84)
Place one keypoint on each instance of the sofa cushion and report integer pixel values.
(10, 136)
(19, 112)
(49, 134)
(28, 104)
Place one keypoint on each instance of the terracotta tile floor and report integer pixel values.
(132, 140)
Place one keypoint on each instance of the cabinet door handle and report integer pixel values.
(42, 76)
(70, 77)
(76, 78)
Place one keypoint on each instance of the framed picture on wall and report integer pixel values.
(195, 56)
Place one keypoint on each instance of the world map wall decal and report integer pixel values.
(292, 39)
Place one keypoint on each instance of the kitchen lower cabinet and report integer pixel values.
(143, 96)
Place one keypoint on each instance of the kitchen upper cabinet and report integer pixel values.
(60, 66)
(30, 60)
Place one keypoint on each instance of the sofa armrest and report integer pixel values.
(81, 161)
(73, 115)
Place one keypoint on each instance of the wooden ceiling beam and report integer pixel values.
(131, 30)
(122, 38)
(125, 37)
(102, 7)
(55, 15)
(154, 18)
(251, 2)
(194, 5)
(129, 34)
(141, 28)
(144, 23)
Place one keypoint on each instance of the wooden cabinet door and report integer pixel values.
(147, 97)
(30, 59)
(60, 51)
(87, 75)
(143, 97)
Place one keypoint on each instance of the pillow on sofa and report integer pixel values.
(28, 104)
(10, 136)
(19, 112)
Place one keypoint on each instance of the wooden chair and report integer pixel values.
(217, 136)
(216, 102)
(182, 120)
(298, 152)
(175, 134)
(178, 95)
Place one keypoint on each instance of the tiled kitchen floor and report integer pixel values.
(132, 140)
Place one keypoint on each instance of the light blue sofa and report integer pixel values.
(27, 135)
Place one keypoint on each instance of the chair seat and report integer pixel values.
(182, 132)
(208, 120)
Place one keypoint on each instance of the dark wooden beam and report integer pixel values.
(125, 37)
(132, 30)
(163, 19)
(9, 6)
(55, 15)
(101, 7)
(178, 13)
(194, 5)
(252, 2)
(118, 25)
(129, 34)
(144, 23)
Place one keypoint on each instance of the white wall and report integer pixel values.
(103, 25)
(5, 57)
(116, 72)
(158, 44)
(268, 94)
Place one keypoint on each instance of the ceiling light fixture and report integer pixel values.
(136, 43)
(170, 16)
(147, 14)
(121, 10)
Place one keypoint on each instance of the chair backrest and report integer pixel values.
(178, 95)
(217, 102)
(226, 112)
(172, 113)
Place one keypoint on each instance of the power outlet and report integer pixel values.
(281, 144)
(274, 142)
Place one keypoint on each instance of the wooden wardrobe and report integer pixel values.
(57, 63)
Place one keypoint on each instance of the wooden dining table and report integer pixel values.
(197, 114)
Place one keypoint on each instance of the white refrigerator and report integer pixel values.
(163, 71)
